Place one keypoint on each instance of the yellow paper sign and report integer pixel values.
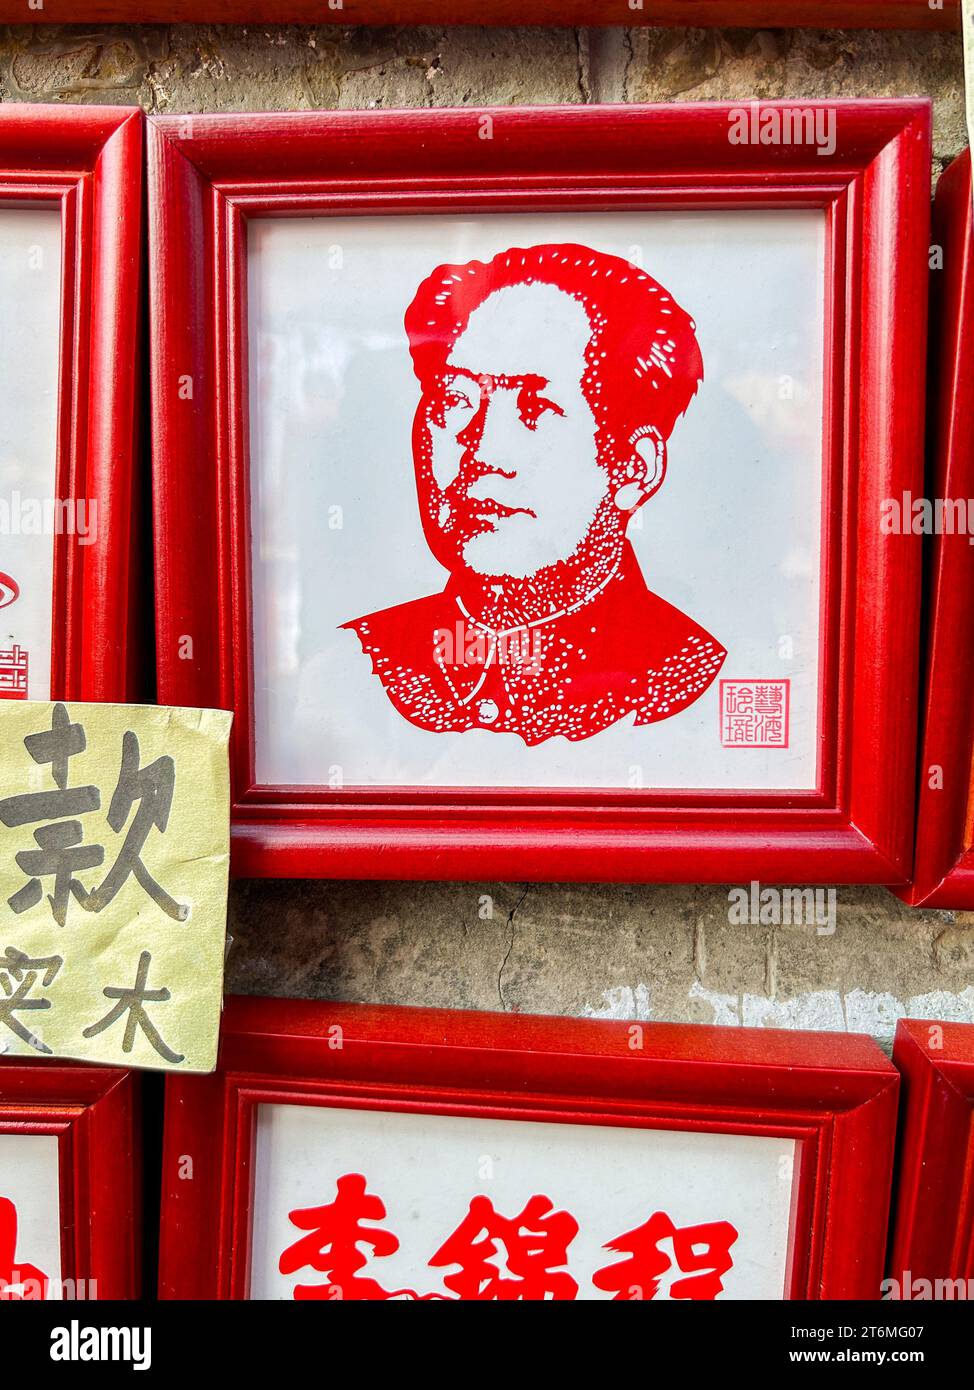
(114, 859)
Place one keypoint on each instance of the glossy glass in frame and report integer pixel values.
(30, 1224)
(537, 529)
(637, 1160)
(583, 591)
(692, 1214)
(624, 674)
(30, 307)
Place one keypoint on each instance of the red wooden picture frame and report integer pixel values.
(209, 174)
(768, 14)
(835, 1094)
(944, 867)
(94, 1114)
(86, 162)
(933, 1226)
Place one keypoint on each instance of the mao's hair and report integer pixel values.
(642, 361)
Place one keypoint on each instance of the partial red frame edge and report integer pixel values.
(116, 616)
(94, 155)
(944, 865)
(768, 14)
(933, 1226)
(98, 152)
(97, 1113)
(840, 1086)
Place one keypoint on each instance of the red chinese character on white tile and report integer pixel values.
(700, 1254)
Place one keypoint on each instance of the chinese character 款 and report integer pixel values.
(61, 852)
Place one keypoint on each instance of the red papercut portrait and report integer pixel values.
(550, 381)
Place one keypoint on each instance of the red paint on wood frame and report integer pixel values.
(767, 14)
(94, 1114)
(944, 868)
(933, 1226)
(208, 174)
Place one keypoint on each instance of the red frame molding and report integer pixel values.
(87, 162)
(768, 14)
(208, 174)
(834, 1093)
(933, 1229)
(944, 868)
(94, 1113)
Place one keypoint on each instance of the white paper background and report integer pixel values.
(426, 1168)
(29, 1179)
(30, 309)
(732, 538)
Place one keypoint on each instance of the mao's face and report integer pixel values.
(505, 441)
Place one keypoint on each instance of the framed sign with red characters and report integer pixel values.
(353, 1152)
(70, 226)
(70, 1185)
(530, 467)
(932, 1253)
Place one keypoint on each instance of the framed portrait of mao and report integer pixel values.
(519, 480)
(70, 273)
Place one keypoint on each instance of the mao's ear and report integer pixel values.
(650, 447)
(645, 471)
